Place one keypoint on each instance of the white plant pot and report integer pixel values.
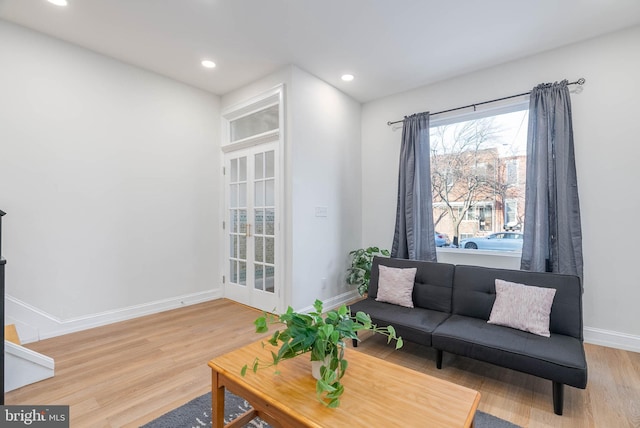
(316, 365)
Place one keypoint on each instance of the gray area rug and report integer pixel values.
(197, 413)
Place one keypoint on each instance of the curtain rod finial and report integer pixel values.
(581, 81)
(389, 123)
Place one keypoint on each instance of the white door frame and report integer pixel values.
(276, 139)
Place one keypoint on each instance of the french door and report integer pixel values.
(251, 226)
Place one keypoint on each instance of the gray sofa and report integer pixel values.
(452, 306)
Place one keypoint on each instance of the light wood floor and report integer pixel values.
(128, 373)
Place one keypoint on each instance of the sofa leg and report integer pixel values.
(558, 398)
(355, 343)
(439, 358)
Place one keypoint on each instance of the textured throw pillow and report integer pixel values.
(395, 285)
(523, 307)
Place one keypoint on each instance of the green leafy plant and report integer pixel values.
(360, 271)
(324, 337)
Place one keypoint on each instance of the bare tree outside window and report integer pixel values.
(476, 166)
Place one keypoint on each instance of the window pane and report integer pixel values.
(242, 247)
(243, 169)
(259, 273)
(511, 212)
(255, 123)
(233, 221)
(233, 173)
(259, 166)
(259, 249)
(233, 246)
(233, 271)
(270, 164)
(269, 278)
(259, 193)
(269, 193)
(477, 173)
(269, 250)
(233, 195)
(242, 273)
(512, 171)
(471, 214)
(242, 221)
(242, 195)
(259, 219)
(269, 222)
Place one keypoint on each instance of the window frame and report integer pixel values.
(510, 106)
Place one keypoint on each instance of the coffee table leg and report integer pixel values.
(217, 402)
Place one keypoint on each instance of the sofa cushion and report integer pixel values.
(433, 282)
(412, 324)
(559, 357)
(474, 292)
(395, 285)
(522, 307)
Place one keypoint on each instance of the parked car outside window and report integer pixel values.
(442, 239)
(502, 241)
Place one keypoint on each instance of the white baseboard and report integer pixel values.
(612, 339)
(334, 302)
(34, 324)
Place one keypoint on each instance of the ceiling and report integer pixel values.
(390, 46)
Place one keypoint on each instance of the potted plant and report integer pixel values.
(324, 337)
(360, 271)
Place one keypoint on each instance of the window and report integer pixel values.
(259, 122)
(482, 171)
(511, 214)
(477, 168)
(512, 171)
(485, 218)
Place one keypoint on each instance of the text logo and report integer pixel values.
(35, 416)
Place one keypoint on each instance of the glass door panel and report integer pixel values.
(264, 184)
(252, 241)
(238, 221)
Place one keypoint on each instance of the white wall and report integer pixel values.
(326, 173)
(605, 118)
(322, 169)
(109, 177)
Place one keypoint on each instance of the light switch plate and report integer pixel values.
(321, 211)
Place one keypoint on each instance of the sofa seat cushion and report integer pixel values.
(413, 324)
(559, 358)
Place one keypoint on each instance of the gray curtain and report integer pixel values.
(552, 231)
(414, 233)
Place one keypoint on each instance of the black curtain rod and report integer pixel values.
(580, 82)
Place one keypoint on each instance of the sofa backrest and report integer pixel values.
(474, 292)
(432, 286)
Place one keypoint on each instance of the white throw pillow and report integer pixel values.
(523, 307)
(395, 285)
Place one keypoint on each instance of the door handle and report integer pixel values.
(248, 230)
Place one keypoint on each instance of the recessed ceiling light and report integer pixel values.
(208, 63)
(347, 77)
(58, 2)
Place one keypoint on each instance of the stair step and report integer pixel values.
(11, 334)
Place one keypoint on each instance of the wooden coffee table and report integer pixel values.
(377, 393)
